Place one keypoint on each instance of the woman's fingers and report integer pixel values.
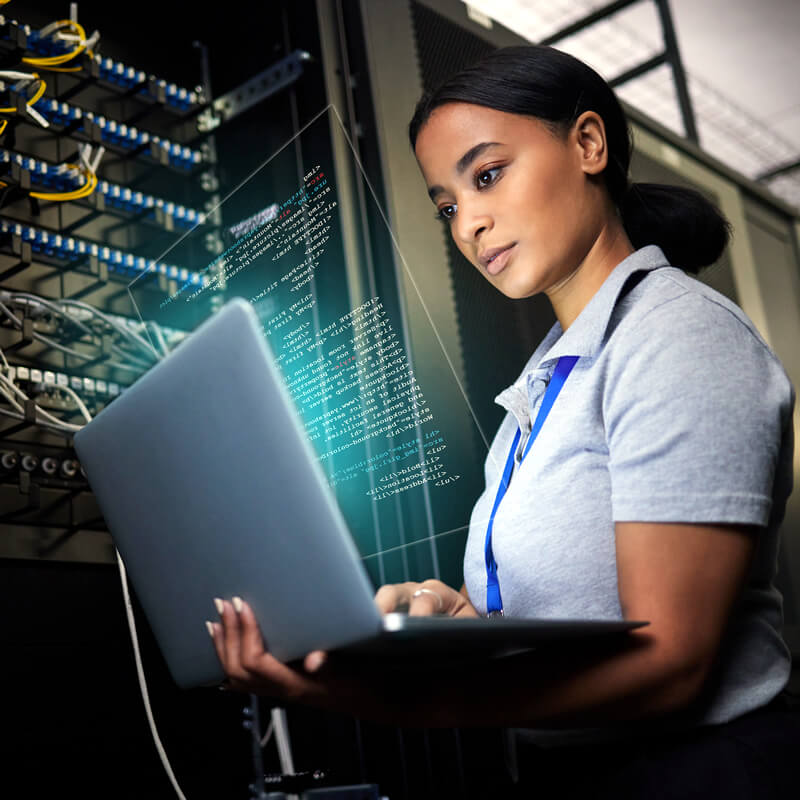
(315, 660)
(251, 644)
(419, 599)
(231, 641)
(426, 601)
(388, 597)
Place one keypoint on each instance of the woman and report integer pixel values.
(654, 491)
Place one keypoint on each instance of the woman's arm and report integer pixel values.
(682, 578)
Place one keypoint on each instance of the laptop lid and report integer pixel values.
(210, 488)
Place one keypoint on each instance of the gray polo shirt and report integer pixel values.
(676, 411)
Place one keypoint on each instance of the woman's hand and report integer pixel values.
(250, 667)
(424, 599)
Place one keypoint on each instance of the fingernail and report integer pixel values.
(210, 628)
(315, 661)
(237, 604)
(219, 605)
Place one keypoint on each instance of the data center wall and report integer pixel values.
(75, 235)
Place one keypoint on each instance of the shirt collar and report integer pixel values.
(585, 336)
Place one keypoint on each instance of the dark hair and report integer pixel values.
(554, 87)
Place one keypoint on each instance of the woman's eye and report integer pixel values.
(446, 212)
(486, 177)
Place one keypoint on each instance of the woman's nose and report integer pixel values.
(471, 224)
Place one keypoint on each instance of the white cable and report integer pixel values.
(13, 386)
(267, 733)
(37, 116)
(24, 80)
(85, 152)
(74, 395)
(113, 324)
(46, 425)
(56, 422)
(40, 301)
(53, 419)
(160, 338)
(13, 75)
(123, 577)
(282, 740)
(96, 160)
(142, 681)
(11, 400)
(68, 350)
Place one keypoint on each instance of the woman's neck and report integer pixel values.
(571, 295)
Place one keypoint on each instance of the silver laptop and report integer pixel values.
(210, 488)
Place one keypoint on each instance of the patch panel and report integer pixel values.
(106, 69)
(51, 378)
(58, 177)
(82, 314)
(114, 133)
(68, 248)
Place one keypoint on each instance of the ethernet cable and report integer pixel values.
(61, 430)
(162, 754)
(50, 421)
(29, 299)
(53, 308)
(68, 389)
(76, 399)
(68, 350)
(112, 323)
(162, 342)
(56, 308)
(137, 656)
(46, 414)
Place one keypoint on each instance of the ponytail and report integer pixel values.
(691, 230)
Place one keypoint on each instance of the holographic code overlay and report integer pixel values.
(392, 448)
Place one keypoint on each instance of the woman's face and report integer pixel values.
(523, 205)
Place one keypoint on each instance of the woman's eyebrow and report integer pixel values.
(463, 163)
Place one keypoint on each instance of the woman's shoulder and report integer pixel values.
(672, 330)
(667, 304)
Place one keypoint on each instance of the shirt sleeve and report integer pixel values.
(696, 411)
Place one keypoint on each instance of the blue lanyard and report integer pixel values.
(494, 602)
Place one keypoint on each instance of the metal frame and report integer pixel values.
(670, 55)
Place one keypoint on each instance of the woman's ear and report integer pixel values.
(590, 139)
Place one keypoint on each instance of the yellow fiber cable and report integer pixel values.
(53, 61)
(36, 97)
(63, 69)
(76, 194)
(3, 125)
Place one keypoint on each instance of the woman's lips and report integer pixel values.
(499, 262)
